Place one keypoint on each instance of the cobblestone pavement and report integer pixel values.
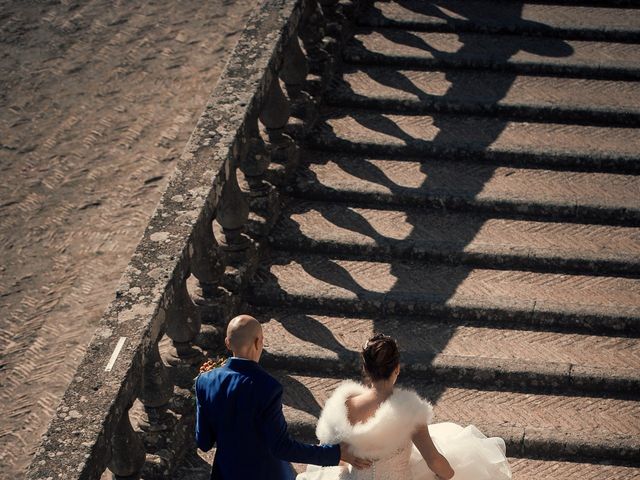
(97, 99)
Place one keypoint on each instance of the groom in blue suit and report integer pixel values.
(239, 408)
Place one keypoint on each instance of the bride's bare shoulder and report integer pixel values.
(361, 407)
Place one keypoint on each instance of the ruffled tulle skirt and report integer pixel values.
(470, 453)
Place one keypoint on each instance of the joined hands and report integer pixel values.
(347, 456)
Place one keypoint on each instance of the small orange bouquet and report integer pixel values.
(212, 363)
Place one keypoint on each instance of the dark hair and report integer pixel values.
(380, 357)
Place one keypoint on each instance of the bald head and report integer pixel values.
(244, 335)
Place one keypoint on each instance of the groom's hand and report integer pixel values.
(347, 456)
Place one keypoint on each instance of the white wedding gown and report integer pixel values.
(385, 438)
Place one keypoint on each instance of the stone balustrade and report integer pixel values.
(129, 407)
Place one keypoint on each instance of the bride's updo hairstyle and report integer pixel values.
(380, 357)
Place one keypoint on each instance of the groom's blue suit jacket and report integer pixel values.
(239, 408)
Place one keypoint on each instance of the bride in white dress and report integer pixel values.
(392, 427)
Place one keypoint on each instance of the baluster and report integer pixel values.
(183, 325)
(156, 392)
(207, 264)
(335, 20)
(263, 197)
(274, 116)
(361, 7)
(294, 73)
(127, 450)
(232, 215)
(312, 34)
(213, 301)
(255, 159)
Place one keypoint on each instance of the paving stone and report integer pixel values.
(572, 425)
(469, 238)
(486, 92)
(545, 194)
(97, 100)
(566, 21)
(528, 469)
(481, 139)
(406, 49)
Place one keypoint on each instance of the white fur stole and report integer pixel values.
(388, 430)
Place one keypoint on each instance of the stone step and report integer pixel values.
(532, 469)
(484, 296)
(486, 139)
(454, 237)
(488, 93)
(560, 21)
(522, 54)
(542, 194)
(197, 466)
(459, 354)
(533, 425)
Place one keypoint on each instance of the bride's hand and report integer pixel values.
(347, 456)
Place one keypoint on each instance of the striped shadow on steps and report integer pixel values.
(551, 195)
(507, 297)
(457, 237)
(511, 53)
(455, 353)
(482, 139)
(529, 18)
(536, 98)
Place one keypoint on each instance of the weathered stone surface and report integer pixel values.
(453, 237)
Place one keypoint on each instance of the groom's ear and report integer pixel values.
(227, 344)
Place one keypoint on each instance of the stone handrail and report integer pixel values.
(195, 256)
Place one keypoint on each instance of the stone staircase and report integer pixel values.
(472, 189)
